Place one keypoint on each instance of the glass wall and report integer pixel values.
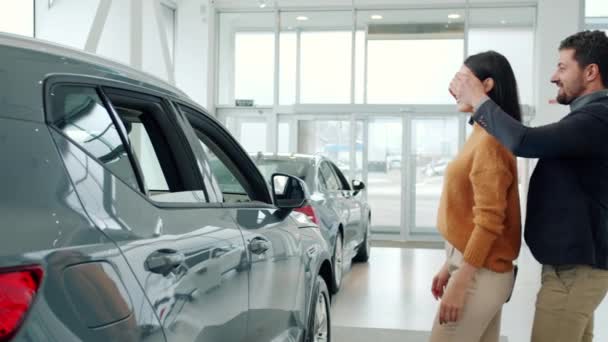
(596, 8)
(596, 15)
(328, 137)
(17, 17)
(435, 142)
(250, 132)
(368, 89)
(384, 174)
(246, 55)
(411, 55)
(316, 45)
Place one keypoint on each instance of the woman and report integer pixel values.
(479, 217)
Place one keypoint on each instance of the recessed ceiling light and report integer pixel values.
(302, 18)
(454, 16)
(377, 17)
(503, 21)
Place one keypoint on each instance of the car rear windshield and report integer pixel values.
(293, 167)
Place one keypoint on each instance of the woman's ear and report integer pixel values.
(488, 84)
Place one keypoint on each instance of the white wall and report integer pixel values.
(557, 19)
(69, 22)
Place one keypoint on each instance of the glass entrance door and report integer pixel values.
(434, 142)
(384, 174)
(400, 157)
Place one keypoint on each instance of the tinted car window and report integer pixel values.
(141, 144)
(225, 172)
(343, 183)
(331, 181)
(229, 184)
(85, 120)
(157, 146)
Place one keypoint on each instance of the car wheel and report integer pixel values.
(365, 247)
(338, 262)
(319, 322)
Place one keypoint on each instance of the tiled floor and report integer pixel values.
(392, 291)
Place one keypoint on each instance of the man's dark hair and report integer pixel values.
(590, 47)
(492, 64)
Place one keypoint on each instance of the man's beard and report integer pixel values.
(564, 99)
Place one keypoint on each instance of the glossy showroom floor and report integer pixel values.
(392, 293)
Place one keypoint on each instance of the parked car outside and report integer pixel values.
(114, 225)
(337, 206)
(436, 167)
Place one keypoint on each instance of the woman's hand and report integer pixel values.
(452, 302)
(440, 281)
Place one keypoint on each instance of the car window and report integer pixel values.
(228, 182)
(85, 120)
(224, 172)
(148, 129)
(343, 183)
(330, 181)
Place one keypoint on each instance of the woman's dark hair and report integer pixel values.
(491, 64)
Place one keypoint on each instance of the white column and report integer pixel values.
(212, 53)
(97, 27)
(137, 36)
(556, 19)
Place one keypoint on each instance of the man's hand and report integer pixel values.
(467, 88)
(440, 281)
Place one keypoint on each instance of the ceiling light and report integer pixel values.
(376, 17)
(262, 3)
(503, 21)
(302, 18)
(454, 16)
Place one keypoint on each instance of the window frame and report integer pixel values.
(253, 181)
(177, 147)
(194, 181)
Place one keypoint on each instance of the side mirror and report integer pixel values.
(289, 192)
(358, 186)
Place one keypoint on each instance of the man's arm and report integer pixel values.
(576, 136)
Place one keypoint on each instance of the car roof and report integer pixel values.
(25, 64)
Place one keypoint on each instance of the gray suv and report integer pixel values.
(114, 227)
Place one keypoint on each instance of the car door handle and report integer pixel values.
(259, 245)
(164, 261)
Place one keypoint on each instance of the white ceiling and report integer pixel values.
(319, 4)
(494, 17)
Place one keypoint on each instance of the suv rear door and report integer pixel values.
(146, 193)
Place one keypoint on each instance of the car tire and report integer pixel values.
(338, 263)
(364, 249)
(319, 320)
